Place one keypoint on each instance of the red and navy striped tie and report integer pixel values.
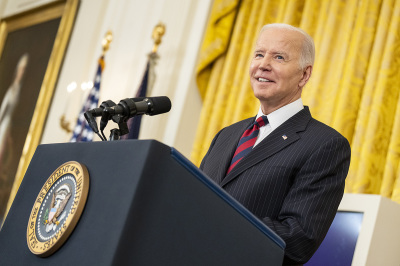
(247, 141)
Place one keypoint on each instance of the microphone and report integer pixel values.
(131, 107)
(91, 114)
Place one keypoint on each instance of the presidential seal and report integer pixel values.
(57, 208)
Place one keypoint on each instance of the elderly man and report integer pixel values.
(284, 166)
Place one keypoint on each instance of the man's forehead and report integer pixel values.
(280, 37)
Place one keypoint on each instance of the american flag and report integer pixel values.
(82, 131)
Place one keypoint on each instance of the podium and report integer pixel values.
(146, 205)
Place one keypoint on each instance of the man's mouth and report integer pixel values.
(264, 80)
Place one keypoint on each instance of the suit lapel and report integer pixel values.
(227, 146)
(280, 138)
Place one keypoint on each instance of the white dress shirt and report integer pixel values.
(278, 117)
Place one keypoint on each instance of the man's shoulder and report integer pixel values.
(321, 131)
(316, 128)
(322, 127)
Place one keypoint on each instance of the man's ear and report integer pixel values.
(306, 76)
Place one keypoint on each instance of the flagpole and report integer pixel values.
(158, 32)
(147, 81)
(64, 124)
(106, 42)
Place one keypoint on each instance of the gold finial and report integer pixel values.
(158, 32)
(65, 124)
(106, 41)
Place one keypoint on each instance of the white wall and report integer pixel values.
(132, 23)
(12, 7)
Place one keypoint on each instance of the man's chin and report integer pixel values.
(262, 96)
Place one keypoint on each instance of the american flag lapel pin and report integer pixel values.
(284, 137)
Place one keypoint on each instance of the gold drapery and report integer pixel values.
(354, 86)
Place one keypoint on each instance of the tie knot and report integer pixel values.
(261, 121)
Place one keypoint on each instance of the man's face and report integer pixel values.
(275, 74)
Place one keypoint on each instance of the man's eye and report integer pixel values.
(279, 57)
(258, 56)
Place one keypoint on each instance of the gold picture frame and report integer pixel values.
(57, 17)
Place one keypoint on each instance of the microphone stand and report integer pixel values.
(122, 129)
(114, 134)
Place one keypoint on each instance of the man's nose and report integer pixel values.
(265, 63)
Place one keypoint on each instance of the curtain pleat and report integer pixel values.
(378, 105)
(390, 187)
(354, 86)
(351, 85)
(216, 39)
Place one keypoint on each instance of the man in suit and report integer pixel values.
(293, 177)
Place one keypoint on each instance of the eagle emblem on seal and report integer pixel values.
(55, 213)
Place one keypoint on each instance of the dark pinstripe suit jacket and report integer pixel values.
(294, 184)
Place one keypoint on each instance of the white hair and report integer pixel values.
(308, 48)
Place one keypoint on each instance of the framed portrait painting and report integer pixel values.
(32, 47)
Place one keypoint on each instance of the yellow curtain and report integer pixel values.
(354, 86)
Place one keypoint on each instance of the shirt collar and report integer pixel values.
(278, 117)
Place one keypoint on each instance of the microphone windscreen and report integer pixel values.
(161, 104)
